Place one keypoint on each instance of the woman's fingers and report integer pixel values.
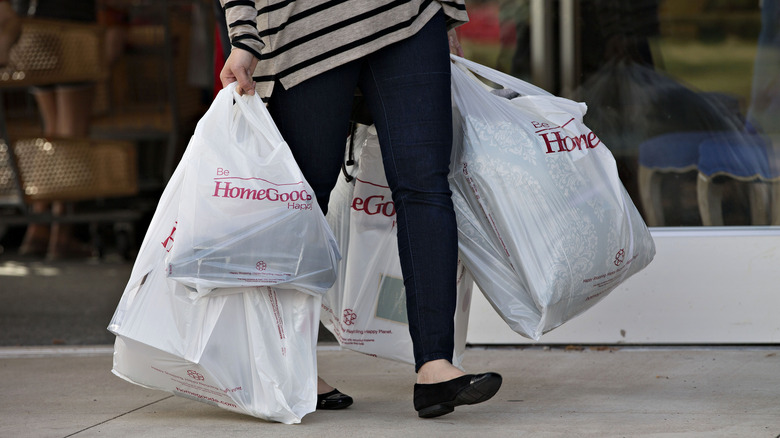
(239, 67)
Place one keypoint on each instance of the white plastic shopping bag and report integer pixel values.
(248, 349)
(544, 223)
(247, 216)
(252, 352)
(338, 217)
(366, 308)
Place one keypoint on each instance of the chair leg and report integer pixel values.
(650, 196)
(759, 193)
(710, 198)
(774, 199)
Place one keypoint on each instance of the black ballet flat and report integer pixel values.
(435, 399)
(333, 400)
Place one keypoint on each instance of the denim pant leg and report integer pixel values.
(313, 118)
(407, 87)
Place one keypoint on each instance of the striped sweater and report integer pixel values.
(296, 40)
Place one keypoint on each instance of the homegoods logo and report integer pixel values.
(374, 204)
(239, 189)
(555, 142)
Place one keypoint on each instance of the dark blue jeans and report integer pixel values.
(407, 88)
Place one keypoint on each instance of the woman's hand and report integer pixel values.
(239, 66)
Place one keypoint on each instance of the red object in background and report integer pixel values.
(508, 34)
(483, 25)
(219, 60)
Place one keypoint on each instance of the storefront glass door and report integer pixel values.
(686, 95)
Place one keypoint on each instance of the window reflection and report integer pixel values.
(686, 94)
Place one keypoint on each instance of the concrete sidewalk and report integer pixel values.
(618, 392)
(54, 381)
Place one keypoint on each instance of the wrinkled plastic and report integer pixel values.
(366, 308)
(246, 215)
(246, 349)
(544, 223)
(253, 352)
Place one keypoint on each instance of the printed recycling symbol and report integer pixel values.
(349, 316)
(195, 375)
(620, 257)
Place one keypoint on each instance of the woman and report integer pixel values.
(306, 59)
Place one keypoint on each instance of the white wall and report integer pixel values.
(705, 286)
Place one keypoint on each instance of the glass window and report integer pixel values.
(686, 94)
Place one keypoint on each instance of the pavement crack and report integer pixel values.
(120, 415)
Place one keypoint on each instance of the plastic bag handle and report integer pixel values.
(503, 79)
(255, 112)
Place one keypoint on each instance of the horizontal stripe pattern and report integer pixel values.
(298, 39)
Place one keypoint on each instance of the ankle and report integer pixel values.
(437, 371)
(323, 387)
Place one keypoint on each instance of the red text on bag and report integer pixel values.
(168, 242)
(374, 205)
(558, 143)
(224, 189)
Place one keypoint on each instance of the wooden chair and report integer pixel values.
(39, 169)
